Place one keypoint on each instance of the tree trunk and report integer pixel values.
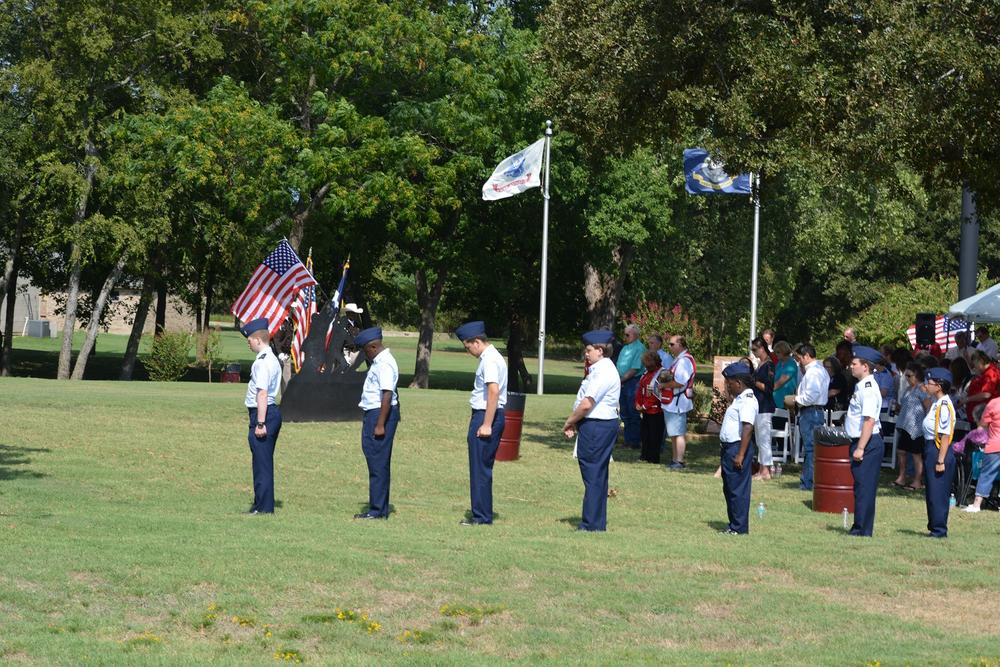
(10, 288)
(209, 298)
(161, 308)
(302, 215)
(518, 378)
(603, 291)
(138, 324)
(428, 299)
(75, 262)
(95, 318)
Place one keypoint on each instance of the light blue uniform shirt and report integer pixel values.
(383, 375)
(264, 374)
(492, 369)
(866, 402)
(940, 419)
(743, 410)
(603, 386)
(666, 359)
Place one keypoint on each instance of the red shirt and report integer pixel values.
(645, 400)
(986, 382)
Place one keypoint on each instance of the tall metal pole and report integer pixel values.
(755, 194)
(968, 255)
(545, 261)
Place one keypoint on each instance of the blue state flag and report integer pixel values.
(705, 176)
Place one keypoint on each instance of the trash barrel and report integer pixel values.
(833, 483)
(231, 373)
(510, 441)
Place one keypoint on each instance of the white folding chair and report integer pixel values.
(781, 435)
(888, 425)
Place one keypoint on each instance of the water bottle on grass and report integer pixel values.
(844, 518)
(761, 510)
(952, 502)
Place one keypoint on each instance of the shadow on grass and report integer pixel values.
(572, 520)
(12, 457)
(717, 526)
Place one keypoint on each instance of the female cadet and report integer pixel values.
(862, 425)
(736, 440)
(939, 460)
(595, 416)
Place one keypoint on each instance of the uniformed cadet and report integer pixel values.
(489, 396)
(265, 417)
(380, 404)
(737, 446)
(595, 419)
(862, 425)
(939, 460)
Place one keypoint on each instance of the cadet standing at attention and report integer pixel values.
(737, 449)
(489, 396)
(939, 459)
(595, 418)
(380, 403)
(265, 418)
(862, 425)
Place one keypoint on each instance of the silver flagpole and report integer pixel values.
(755, 194)
(545, 261)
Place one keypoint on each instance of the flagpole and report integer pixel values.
(545, 261)
(755, 194)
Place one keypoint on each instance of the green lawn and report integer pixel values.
(123, 543)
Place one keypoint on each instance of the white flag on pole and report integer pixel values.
(516, 174)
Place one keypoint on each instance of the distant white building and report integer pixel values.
(31, 304)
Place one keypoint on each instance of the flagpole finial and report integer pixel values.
(548, 128)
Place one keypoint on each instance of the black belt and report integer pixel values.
(813, 407)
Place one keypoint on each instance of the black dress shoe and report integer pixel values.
(367, 515)
(250, 511)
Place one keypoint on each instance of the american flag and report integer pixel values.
(334, 304)
(303, 309)
(272, 287)
(944, 331)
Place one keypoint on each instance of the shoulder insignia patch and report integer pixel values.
(262, 355)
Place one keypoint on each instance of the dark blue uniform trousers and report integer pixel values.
(593, 449)
(736, 485)
(938, 488)
(482, 454)
(866, 484)
(262, 458)
(378, 455)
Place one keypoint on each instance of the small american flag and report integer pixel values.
(944, 331)
(272, 287)
(303, 309)
(334, 304)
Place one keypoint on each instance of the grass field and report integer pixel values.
(123, 543)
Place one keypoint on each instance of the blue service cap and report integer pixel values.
(470, 330)
(737, 369)
(938, 374)
(598, 337)
(254, 325)
(367, 336)
(869, 354)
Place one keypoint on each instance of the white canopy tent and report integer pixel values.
(982, 308)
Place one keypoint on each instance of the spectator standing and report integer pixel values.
(960, 348)
(850, 336)
(629, 366)
(984, 386)
(837, 394)
(810, 400)
(678, 381)
(655, 343)
(985, 344)
(786, 373)
(909, 430)
(961, 376)
(647, 403)
(763, 385)
(990, 467)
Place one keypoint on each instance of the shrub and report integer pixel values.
(168, 358)
(652, 317)
(209, 349)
